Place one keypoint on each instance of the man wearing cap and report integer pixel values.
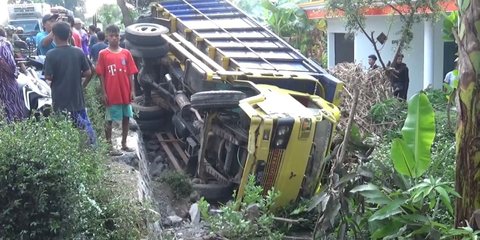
(44, 39)
(83, 35)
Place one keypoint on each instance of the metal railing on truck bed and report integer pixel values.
(238, 43)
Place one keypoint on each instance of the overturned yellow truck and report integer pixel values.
(242, 101)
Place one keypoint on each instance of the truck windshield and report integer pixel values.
(27, 25)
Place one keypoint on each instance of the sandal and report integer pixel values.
(127, 149)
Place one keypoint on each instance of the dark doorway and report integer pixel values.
(449, 55)
(344, 48)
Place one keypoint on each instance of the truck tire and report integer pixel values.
(147, 52)
(146, 34)
(142, 112)
(160, 21)
(216, 99)
(151, 125)
(214, 191)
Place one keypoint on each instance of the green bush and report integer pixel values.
(46, 170)
(94, 105)
(443, 149)
(54, 186)
(390, 110)
(178, 182)
(237, 221)
(442, 155)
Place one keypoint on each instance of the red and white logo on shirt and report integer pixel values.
(112, 69)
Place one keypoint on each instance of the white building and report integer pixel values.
(3, 13)
(428, 57)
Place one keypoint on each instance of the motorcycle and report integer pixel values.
(35, 91)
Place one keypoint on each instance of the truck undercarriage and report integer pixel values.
(241, 100)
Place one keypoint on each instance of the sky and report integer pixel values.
(93, 5)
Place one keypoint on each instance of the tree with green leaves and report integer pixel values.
(468, 127)
(409, 12)
(109, 14)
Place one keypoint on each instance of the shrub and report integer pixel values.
(442, 156)
(54, 186)
(46, 170)
(94, 105)
(178, 182)
(388, 115)
(236, 220)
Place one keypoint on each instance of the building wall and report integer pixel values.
(414, 55)
(3, 12)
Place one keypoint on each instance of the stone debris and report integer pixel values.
(252, 211)
(194, 214)
(172, 221)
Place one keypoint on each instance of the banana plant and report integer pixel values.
(411, 153)
(410, 212)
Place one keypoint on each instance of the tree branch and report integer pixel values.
(396, 10)
(348, 129)
(377, 51)
(372, 41)
(288, 220)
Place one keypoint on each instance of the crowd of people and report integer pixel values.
(87, 40)
(73, 56)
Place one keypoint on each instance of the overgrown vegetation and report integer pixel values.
(179, 183)
(55, 186)
(251, 218)
(391, 195)
(94, 105)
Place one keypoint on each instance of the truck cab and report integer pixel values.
(29, 17)
(30, 27)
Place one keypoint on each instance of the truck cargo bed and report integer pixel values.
(239, 43)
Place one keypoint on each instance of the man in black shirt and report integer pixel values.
(64, 67)
(400, 78)
(371, 62)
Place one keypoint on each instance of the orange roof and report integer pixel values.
(316, 9)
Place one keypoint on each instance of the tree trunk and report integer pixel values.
(467, 182)
(127, 17)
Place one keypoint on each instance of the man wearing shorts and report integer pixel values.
(116, 67)
(64, 67)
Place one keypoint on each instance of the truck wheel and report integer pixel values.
(151, 125)
(214, 191)
(216, 99)
(147, 112)
(160, 21)
(147, 52)
(146, 34)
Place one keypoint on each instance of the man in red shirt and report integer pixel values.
(116, 67)
(77, 40)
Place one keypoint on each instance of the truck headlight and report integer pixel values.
(279, 142)
(282, 131)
